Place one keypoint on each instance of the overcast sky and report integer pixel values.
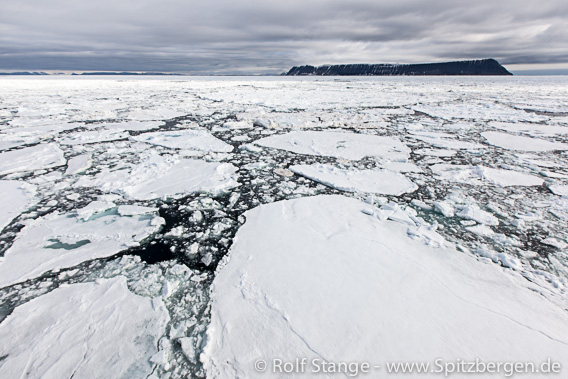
(267, 37)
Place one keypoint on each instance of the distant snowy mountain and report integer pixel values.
(475, 67)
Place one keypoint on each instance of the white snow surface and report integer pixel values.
(322, 279)
(94, 136)
(521, 143)
(531, 129)
(479, 175)
(352, 146)
(88, 330)
(163, 177)
(78, 164)
(64, 240)
(16, 197)
(384, 182)
(132, 125)
(560, 190)
(191, 139)
(31, 158)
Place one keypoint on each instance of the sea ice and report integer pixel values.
(64, 240)
(473, 212)
(16, 198)
(138, 126)
(318, 278)
(31, 158)
(511, 142)
(88, 330)
(352, 146)
(191, 139)
(161, 177)
(78, 164)
(560, 190)
(531, 129)
(94, 136)
(374, 181)
(447, 143)
(478, 175)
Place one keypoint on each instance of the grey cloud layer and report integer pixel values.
(221, 36)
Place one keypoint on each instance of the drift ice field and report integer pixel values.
(181, 227)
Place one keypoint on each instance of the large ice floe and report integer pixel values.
(164, 177)
(478, 175)
(512, 142)
(385, 182)
(64, 240)
(344, 145)
(90, 330)
(31, 158)
(324, 279)
(16, 197)
(191, 139)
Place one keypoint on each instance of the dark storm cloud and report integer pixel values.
(222, 36)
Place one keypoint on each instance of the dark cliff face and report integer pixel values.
(477, 67)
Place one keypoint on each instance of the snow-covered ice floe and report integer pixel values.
(31, 158)
(89, 330)
(16, 197)
(521, 143)
(64, 240)
(191, 139)
(559, 190)
(344, 145)
(385, 182)
(478, 175)
(163, 177)
(80, 138)
(321, 278)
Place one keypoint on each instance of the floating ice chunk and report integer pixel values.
(188, 348)
(6, 144)
(478, 175)
(192, 139)
(95, 136)
(283, 171)
(375, 181)
(477, 110)
(16, 197)
(436, 152)
(251, 147)
(401, 167)
(473, 212)
(428, 234)
(351, 146)
(94, 208)
(161, 178)
(88, 330)
(138, 126)
(481, 230)
(31, 158)
(79, 164)
(58, 241)
(420, 204)
(444, 207)
(416, 298)
(559, 190)
(134, 210)
(511, 142)
(238, 125)
(447, 143)
(555, 243)
(531, 129)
